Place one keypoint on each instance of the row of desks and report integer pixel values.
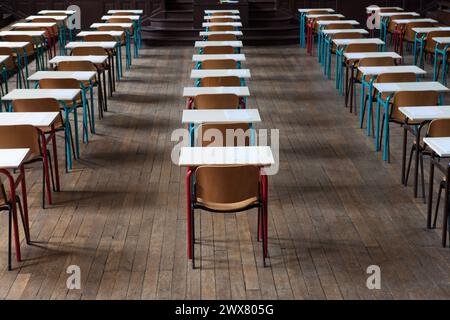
(13, 159)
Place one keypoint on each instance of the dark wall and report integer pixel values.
(91, 10)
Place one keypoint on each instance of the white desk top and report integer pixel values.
(125, 25)
(426, 113)
(374, 71)
(78, 75)
(362, 55)
(195, 91)
(410, 86)
(210, 33)
(319, 15)
(93, 59)
(13, 44)
(219, 11)
(221, 116)
(56, 18)
(327, 22)
(337, 31)
(390, 14)
(111, 33)
(203, 73)
(36, 119)
(306, 10)
(66, 12)
(346, 42)
(406, 21)
(58, 94)
(218, 24)
(439, 145)
(121, 17)
(430, 29)
(12, 158)
(221, 17)
(3, 58)
(369, 9)
(234, 44)
(223, 156)
(34, 24)
(89, 44)
(131, 11)
(204, 57)
(442, 40)
(37, 33)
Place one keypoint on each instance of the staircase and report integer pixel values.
(267, 24)
(8, 15)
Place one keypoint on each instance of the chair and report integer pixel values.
(409, 35)
(430, 44)
(47, 105)
(216, 101)
(407, 99)
(370, 62)
(338, 26)
(9, 68)
(5, 205)
(27, 54)
(221, 28)
(218, 50)
(220, 82)
(438, 128)
(227, 189)
(101, 68)
(221, 20)
(218, 14)
(79, 100)
(222, 37)
(85, 66)
(219, 64)
(219, 135)
(26, 136)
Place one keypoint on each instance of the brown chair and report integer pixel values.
(408, 99)
(409, 35)
(392, 26)
(10, 68)
(220, 135)
(85, 66)
(68, 84)
(216, 101)
(101, 68)
(29, 51)
(221, 20)
(436, 129)
(6, 205)
(25, 136)
(115, 28)
(218, 50)
(222, 37)
(430, 44)
(218, 14)
(221, 28)
(339, 26)
(46, 105)
(220, 82)
(219, 64)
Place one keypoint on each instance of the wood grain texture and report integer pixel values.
(335, 208)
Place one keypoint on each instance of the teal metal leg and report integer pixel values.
(361, 103)
(369, 107)
(91, 96)
(377, 124)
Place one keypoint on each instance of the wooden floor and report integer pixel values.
(335, 208)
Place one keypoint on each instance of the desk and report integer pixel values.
(203, 44)
(66, 12)
(131, 11)
(220, 116)
(392, 88)
(62, 95)
(386, 17)
(12, 159)
(92, 59)
(199, 58)
(240, 73)
(210, 33)
(208, 18)
(445, 42)
(136, 20)
(213, 24)
(221, 11)
(19, 48)
(419, 39)
(127, 27)
(441, 149)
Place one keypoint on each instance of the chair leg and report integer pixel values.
(25, 228)
(381, 133)
(423, 177)
(192, 222)
(43, 186)
(9, 236)
(259, 224)
(441, 187)
(408, 170)
(50, 163)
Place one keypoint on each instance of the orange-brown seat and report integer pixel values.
(218, 14)
(220, 135)
(409, 34)
(218, 50)
(221, 28)
(216, 101)
(219, 64)
(63, 84)
(220, 82)
(222, 37)
(221, 20)
(392, 26)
